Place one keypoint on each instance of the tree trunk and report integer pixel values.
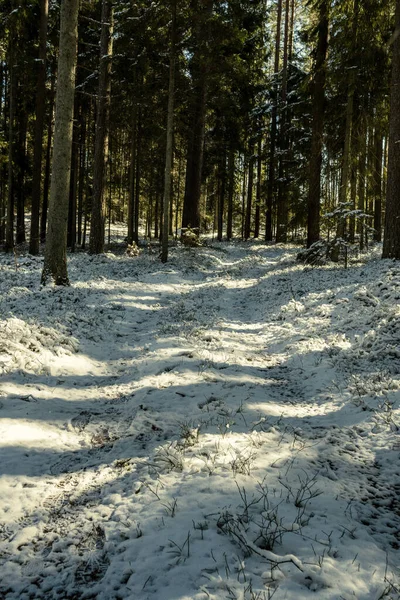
(46, 182)
(314, 189)
(97, 223)
(73, 186)
(391, 242)
(247, 225)
(55, 260)
(283, 204)
(361, 179)
(132, 179)
(272, 142)
(170, 138)
(81, 179)
(3, 166)
(194, 163)
(20, 175)
(244, 185)
(231, 191)
(9, 245)
(137, 181)
(258, 188)
(346, 160)
(221, 194)
(353, 195)
(378, 143)
(34, 241)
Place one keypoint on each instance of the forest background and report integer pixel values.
(256, 119)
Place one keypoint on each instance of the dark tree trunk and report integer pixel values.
(194, 162)
(12, 88)
(3, 167)
(361, 178)
(258, 188)
(378, 144)
(98, 217)
(221, 195)
(46, 181)
(137, 181)
(81, 177)
(21, 161)
(132, 179)
(244, 185)
(348, 135)
(170, 139)
(250, 183)
(283, 203)
(353, 195)
(391, 242)
(34, 241)
(314, 191)
(231, 190)
(73, 186)
(273, 131)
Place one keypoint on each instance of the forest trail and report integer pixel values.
(222, 426)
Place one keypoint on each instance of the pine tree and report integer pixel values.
(97, 224)
(314, 190)
(55, 260)
(391, 243)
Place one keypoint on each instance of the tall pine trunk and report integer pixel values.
(194, 162)
(391, 241)
(231, 191)
(9, 245)
(273, 130)
(97, 223)
(55, 259)
(282, 217)
(314, 188)
(21, 165)
(346, 159)
(34, 241)
(47, 169)
(377, 187)
(258, 187)
(170, 139)
(250, 183)
(221, 186)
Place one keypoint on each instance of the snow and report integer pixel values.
(226, 425)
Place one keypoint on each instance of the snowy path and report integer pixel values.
(223, 426)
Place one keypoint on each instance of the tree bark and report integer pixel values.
(231, 190)
(258, 188)
(250, 182)
(362, 141)
(282, 217)
(46, 182)
(97, 223)
(314, 188)
(221, 186)
(55, 260)
(9, 245)
(170, 138)
(391, 242)
(34, 242)
(273, 131)
(346, 160)
(194, 163)
(21, 165)
(378, 143)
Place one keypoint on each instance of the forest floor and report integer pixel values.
(224, 426)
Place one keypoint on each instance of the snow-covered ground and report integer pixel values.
(225, 426)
